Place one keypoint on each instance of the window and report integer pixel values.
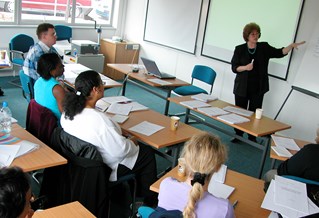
(60, 11)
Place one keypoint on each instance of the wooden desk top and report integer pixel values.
(164, 137)
(143, 76)
(273, 154)
(41, 158)
(264, 126)
(248, 191)
(74, 209)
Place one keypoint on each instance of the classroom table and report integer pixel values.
(248, 192)
(143, 77)
(165, 138)
(73, 209)
(275, 157)
(263, 127)
(71, 71)
(41, 158)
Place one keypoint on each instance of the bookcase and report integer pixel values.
(119, 53)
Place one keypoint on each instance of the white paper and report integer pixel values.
(116, 99)
(237, 110)
(212, 111)
(8, 153)
(137, 106)
(204, 97)
(146, 128)
(194, 104)
(285, 142)
(220, 190)
(269, 204)
(220, 175)
(233, 118)
(117, 108)
(159, 81)
(119, 118)
(281, 151)
(13, 120)
(101, 105)
(74, 68)
(26, 147)
(292, 194)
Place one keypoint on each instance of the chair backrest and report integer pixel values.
(40, 121)
(84, 178)
(22, 44)
(27, 87)
(63, 32)
(303, 180)
(204, 74)
(158, 212)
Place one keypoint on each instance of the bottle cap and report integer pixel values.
(4, 104)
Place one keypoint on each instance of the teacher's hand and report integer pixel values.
(296, 44)
(249, 67)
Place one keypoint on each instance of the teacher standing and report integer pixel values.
(250, 64)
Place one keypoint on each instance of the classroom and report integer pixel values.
(292, 98)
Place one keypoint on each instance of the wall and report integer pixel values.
(300, 111)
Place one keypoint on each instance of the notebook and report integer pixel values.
(152, 68)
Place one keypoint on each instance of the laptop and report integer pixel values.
(152, 68)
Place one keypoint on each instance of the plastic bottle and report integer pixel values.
(5, 118)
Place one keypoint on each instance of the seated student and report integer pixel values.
(82, 120)
(203, 155)
(15, 193)
(47, 90)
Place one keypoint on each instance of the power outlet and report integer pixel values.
(132, 47)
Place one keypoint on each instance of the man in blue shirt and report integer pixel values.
(47, 38)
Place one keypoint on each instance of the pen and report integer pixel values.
(235, 204)
(252, 61)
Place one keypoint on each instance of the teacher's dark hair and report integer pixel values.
(74, 102)
(47, 63)
(249, 28)
(14, 185)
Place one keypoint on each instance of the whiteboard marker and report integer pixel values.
(252, 61)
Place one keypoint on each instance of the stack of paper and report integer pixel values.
(233, 118)
(289, 198)
(116, 99)
(102, 105)
(7, 154)
(159, 81)
(237, 110)
(216, 185)
(119, 118)
(194, 104)
(220, 175)
(282, 144)
(212, 111)
(204, 97)
(118, 108)
(281, 151)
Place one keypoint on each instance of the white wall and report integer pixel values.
(300, 111)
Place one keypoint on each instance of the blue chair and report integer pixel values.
(299, 179)
(201, 73)
(27, 86)
(18, 46)
(158, 212)
(63, 32)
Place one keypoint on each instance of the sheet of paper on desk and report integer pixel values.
(122, 109)
(220, 190)
(75, 68)
(239, 111)
(137, 106)
(26, 147)
(119, 118)
(233, 118)
(116, 99)
(212, 111)
(220, 175)
(146, 128)
(281, 151)
(194, 104)
(292, 194)
(7, 154)
(285, 142)
(269, 204)
(159, 81)
(102, 105)
(13, 120)
(204, 97)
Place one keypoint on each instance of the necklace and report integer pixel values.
(251, 50)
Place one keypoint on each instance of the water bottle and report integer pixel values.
(5, 118)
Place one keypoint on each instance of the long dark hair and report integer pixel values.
(74, 102)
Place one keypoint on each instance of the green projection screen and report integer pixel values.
(226, 19)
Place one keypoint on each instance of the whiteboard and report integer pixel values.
(278, 21)
(173, 23)
(308, 73)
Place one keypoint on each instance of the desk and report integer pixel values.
(163, 138)
(275, 157)
(141, 76)
(71, 71)
(248, 191)
(41, 158)
(259, 128)
(74, 209)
